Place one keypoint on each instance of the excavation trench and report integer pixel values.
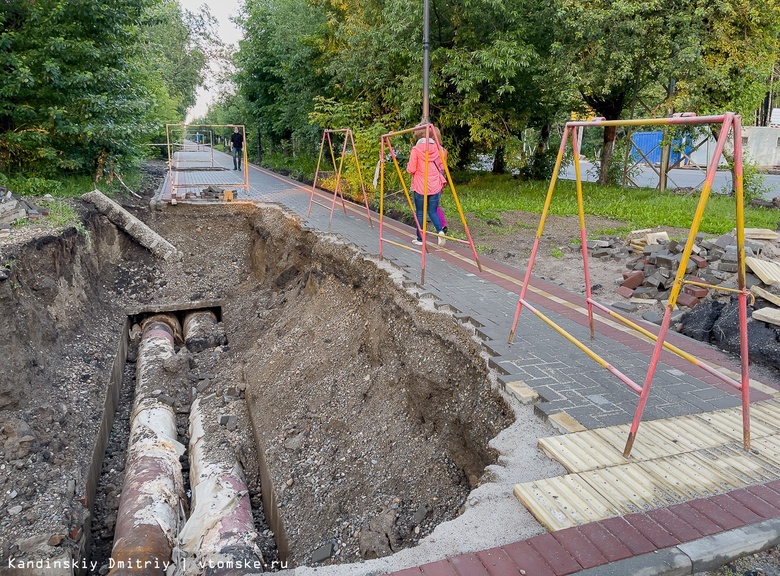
(320, 414)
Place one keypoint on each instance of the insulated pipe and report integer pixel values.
(220, 531)
(201, 330)
(148, 515)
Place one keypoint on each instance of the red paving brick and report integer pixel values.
(612, 548)
(650, 529)
(498, 562)
(767, 495)
(756, 504)
(468, 565)
(737, 509)
(440, 568)
(527, 559)
(684, 299)
(595, 544)
(716, 513)
(634, 280)
(559, 559)
(581, 549)
(774, 487)
(628, 535)
(695, 518)
(680, 529)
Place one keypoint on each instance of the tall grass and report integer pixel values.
(487, 196)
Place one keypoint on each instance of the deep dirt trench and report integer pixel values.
(373, 415)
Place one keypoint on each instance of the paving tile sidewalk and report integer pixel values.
(682, 539)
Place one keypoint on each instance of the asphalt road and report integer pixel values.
(678, 178)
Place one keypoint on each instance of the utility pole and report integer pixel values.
(666, 150)
(426, 117)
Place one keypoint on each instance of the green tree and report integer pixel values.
(87, 82)
(279, 67)
(73, 96)
(614, 49)
(737, 48)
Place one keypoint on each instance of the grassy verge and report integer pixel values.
(53, 195)
(487, 196)
(300, 167)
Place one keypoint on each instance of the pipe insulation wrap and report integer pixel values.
(200, 329)
(220, 528)
(148, 515)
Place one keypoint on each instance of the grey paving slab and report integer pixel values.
(557, 370)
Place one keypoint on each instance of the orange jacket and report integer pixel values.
(416, 167)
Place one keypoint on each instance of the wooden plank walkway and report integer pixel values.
(674, 460)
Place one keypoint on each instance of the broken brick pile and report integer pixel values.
(13, 208)
(650, 275)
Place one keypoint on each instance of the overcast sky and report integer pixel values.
(222, 10)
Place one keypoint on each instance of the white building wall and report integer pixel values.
(761, 145)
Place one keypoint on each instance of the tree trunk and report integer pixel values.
(610, 107)
(608, 150)
(499, 163)
(539, 166)
(543, 142)
(259, 148)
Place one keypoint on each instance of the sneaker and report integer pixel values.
(441, 240)
(417, 242)
(444, 230)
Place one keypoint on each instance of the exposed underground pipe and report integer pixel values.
(148, 515)
(201, 331)
(220, 532)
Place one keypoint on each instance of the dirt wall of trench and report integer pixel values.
(375, 415)
(57, 285)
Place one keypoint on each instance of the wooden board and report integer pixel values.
(673, 460)
(766, 295)
(760, 234)
(769, 272)
(770, 315)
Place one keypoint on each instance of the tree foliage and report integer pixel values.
(86, 82)
(498, 67)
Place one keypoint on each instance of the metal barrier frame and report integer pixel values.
(729, 122)
(174, 180)
(386, 148)
(348, 138)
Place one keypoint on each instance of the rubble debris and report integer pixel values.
(703, 313)
(13, 208)
(652, 266)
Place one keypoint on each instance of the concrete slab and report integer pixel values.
(710, 552)
(667, 562)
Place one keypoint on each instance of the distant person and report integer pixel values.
(237, 146)
(435, 184)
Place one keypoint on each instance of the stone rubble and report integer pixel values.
(651, 266)
(703, 312)
(13, 208)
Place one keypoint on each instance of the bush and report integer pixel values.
(35, 186)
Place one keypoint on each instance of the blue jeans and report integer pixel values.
(433, 207)
(238, 153)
